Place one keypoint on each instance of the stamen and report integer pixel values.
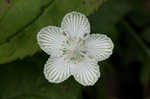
(65, 59)
(80, 38)
(69, 38)
(75, 62)
(74, 49)
(63, 43)
(85, 34)
(68, 62)
(72, 58)
(78, 61)
(64, 33)
(90, 57)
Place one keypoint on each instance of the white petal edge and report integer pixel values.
(56, 70)
(86, 72)
(50, 40)
(76, 24)
(99, 46)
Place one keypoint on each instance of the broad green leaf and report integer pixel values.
(18, 15)
(20, 23)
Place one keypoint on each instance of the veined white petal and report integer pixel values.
(50, 40)
(86, 72)
(76, 24)
(56, 70)
(99, 46)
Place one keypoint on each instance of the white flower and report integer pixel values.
(73, 50)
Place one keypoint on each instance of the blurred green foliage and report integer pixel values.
(21, 70)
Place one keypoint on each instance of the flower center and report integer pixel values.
(74, 50)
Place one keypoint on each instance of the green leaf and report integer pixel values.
(20, 23)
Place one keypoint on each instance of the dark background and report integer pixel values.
(125, 75)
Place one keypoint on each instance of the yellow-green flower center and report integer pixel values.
(74, 49)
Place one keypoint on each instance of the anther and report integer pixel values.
(85, 34)
(64, 33)
(80, 38)
(90, 57)
(78, 61)
(65, 59)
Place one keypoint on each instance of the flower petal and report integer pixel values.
(99, 46)
(76, 24)
(86, 72)
(50, 40)
(56, 70)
